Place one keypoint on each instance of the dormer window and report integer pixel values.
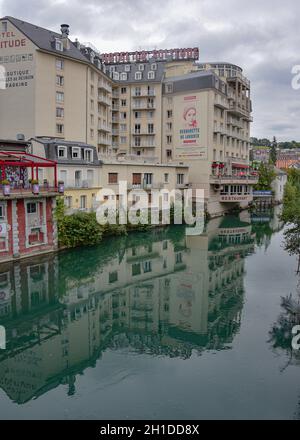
(127, 68)
(151, 75)
(116, 76)
(141, 67)
(62, 152)
(88, 155)
(123, 76)
(76, 153)
(153, 66)
(169, 88)
(138, 76)
(59, 45)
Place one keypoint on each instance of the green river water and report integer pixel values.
(156, 325)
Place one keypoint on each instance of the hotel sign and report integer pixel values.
(147, 55)
(10, 40)
(235, 198)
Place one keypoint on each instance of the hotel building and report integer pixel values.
(159, 107)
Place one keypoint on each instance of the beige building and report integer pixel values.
(156, 107)
(54, 89)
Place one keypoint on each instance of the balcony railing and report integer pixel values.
(221, 102)
(105, 86)
(104, 100)
(144, 94)
(248, 179)
(143, 145)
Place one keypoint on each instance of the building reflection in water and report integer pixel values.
(157, 293)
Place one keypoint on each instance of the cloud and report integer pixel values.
(261, 37)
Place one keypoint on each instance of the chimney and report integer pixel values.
(65, 30)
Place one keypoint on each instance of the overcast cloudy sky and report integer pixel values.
(261, 36)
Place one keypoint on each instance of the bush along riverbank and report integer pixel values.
(291, 214)
(83, 229)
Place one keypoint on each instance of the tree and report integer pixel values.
(266, 177)
(273, 152)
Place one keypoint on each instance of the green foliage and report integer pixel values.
(266, 177)
(291, 212)
(273, 152)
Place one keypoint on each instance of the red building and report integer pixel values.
(27, 221)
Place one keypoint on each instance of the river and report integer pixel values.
(155, 325)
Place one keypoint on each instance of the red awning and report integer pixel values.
(240, 165)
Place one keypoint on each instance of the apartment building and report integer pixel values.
(159, 106)
(206, 124)
(54, 88)
(78, 167)
(136, 107)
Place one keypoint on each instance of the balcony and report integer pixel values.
(223, 180)
(240, 110)
(26, 193)
(104, 100)
(104, 86)
(221, 128)
(143, 106)
(103, 127)
(144, 94)
(115, 145)
(115, 107)
(103, 141)
(115, 132)
(143, 145)
(143, 133)
(221, 102)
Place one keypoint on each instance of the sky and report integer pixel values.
(260, 36)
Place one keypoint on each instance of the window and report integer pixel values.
(2, 212)
(148, 178)
(127, 68)
(169, 153)
(60, 97)
(137, 128)
(136, 269)
(169, 140)
(169, 126)
(83, 202)
(112, 178)
(59, 45)
(31, 208)
(92, 119)
(123, 115)
(123, 102)
(92, 104)
(123, 139)
(59, 64)
(68, 202)
(123, 76)
(136, 178)
(123, 127)
(150, 114)
(138, 76)
(137, 141)
(166, 178)
(59, 80)
(180, 179)
(88, 155)
(78, 179)
(153, 66)
(137, 115)
(151, 75)
(76, 153)
(150, 128)
(169, 114)
(169, 88)
(116, 76)
(59, 112)
(147, 267)
(59, 128)
(138, 91)
(62, 152)
(123, 90)
(141, 67)
(92, 133)
(92, 89)
(4, 26)
(113, 277)
(90, 177)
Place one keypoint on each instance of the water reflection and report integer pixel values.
(160, 293)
